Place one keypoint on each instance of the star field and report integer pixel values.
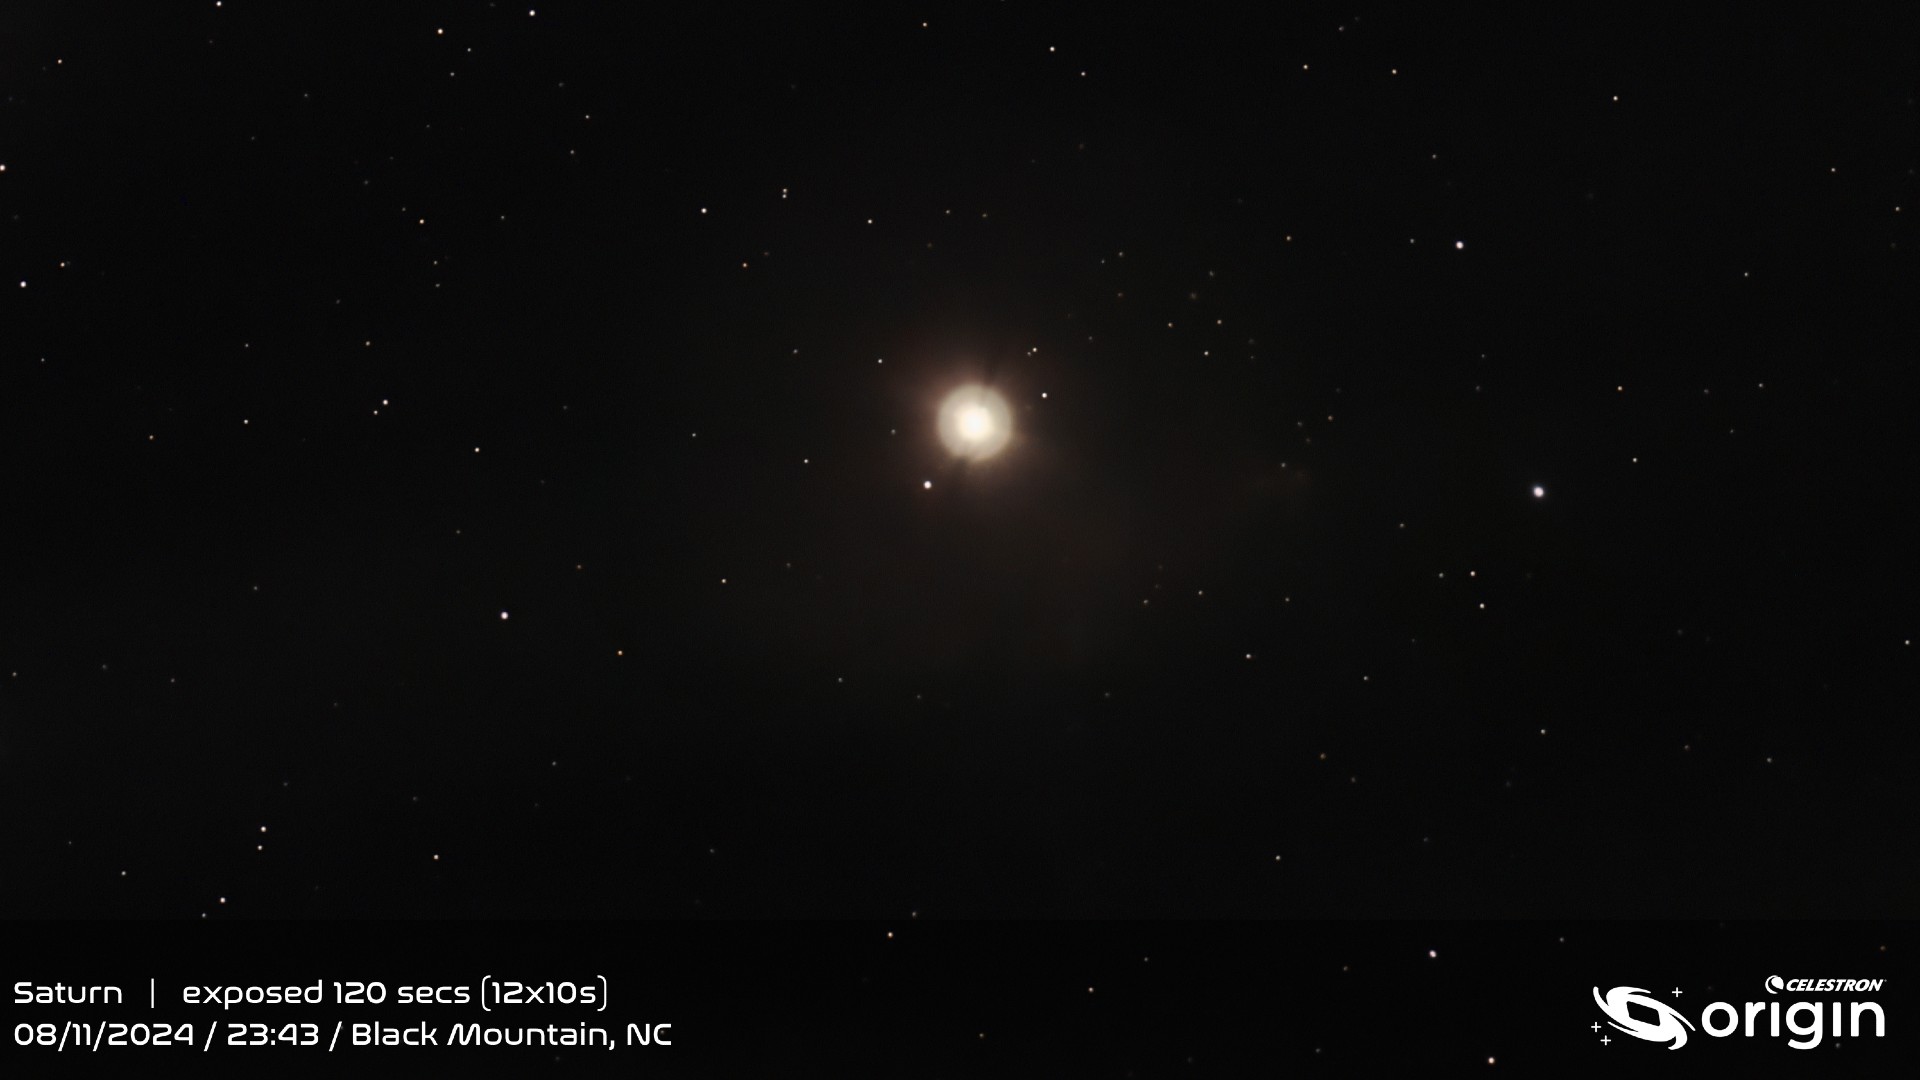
(577, 460)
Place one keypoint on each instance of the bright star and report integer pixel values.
(975, 423)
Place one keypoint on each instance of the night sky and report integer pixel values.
(464, 460)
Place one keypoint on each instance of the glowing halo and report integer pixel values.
(975, 423)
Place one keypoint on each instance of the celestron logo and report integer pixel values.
(1636, 1012)
(1823, 986)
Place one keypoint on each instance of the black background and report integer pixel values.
(1259, 615)
(240, 597)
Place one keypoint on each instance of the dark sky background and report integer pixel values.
(342, 329)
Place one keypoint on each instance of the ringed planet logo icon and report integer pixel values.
(1671, 1028)
(1775, 984)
